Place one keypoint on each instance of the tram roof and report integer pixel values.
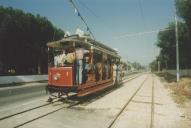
(83, 40)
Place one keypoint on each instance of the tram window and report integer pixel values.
(61, 57)
(97, 57)
(50, 57)
(98, 60)
(70, 56)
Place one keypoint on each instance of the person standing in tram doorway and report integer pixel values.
(79, 64)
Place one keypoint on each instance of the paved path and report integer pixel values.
(138, 113)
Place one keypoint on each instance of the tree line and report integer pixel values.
(167, 40)
(23, 38)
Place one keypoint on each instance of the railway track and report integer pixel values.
(48, 113)
(152, 104)
(40, 112)
(131, 100)
(32, 108)
(48, 108)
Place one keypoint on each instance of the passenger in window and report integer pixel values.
(86, 67)
(62, 58)
(70, 58)
(55, 61)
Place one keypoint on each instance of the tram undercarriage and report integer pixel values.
(82, 90)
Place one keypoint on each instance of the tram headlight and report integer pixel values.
(56, 77)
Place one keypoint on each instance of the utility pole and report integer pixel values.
(54, 35)
(177, 50)
(158, 66)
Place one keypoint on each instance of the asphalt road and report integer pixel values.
(20, 94)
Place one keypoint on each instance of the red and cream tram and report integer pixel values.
(81, 65)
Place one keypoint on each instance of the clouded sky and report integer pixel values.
(113, 22)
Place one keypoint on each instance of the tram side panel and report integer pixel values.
(60, 81)
(61, 76)
(64, 77)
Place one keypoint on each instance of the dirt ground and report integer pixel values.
(181, 92)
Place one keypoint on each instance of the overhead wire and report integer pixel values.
(89, 9)
(79, 14)
(142, 14)
(141, 33)
(144, 25)
(98, 18)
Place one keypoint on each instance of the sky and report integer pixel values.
(113, 22)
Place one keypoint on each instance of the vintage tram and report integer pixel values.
(79, 64)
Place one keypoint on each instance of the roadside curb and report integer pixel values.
(22, 89)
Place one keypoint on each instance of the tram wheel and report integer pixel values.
(49, 99)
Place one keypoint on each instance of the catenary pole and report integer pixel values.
(177, 49)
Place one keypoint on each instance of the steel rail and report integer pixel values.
(9, 116)
(123, 108)
(27, 110)
(51, 112)
(152, 104)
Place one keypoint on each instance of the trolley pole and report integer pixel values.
(177, 50)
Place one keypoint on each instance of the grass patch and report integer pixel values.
(167, 77)
(181, 91)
